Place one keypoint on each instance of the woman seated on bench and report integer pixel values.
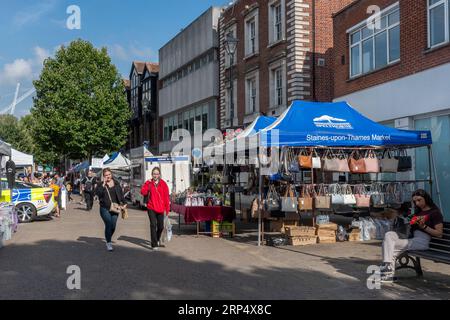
(426, 223)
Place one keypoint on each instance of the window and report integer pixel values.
(166, 129)
(251, 85)
(376, 44)
(438, 22)
(279, 86)
(251, 34)
(205, 118)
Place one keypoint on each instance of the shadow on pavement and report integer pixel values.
(137, 241)
(38, 271)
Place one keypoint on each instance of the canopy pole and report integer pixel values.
(430, 164)
(259, 203)
(438, 191)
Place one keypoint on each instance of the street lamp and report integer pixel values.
(145, 109)
(230, 43)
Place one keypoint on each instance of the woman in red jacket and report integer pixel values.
(157, 206)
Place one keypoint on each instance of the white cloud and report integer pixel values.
(131, 52)
(41, 54)
(33, 13)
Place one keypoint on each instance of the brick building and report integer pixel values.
(395, 70)
(284, 53)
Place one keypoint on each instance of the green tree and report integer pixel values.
(12, 133)
(80, 109)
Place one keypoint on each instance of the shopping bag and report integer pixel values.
(330, 162)
(371, 161)
(357, 163)
(166, 234)
(305, 159)
(389, 163)
(377, 195)
(322, 200)
(362, 197)
(273, 199)
(342, 161)
(305, 201)
(404, 161)
(349, 197)
(316, 160)
(289, 201)
(336, 196)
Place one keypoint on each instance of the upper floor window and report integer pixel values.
(276, 21)
(376, 43)
(251, 95)
(438, 22)
(251, 34)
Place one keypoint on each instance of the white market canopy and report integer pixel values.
(117, 161)
(20, 159)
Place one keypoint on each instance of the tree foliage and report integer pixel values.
(80, 109)
(12, 132)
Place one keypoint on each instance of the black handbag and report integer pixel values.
(404, 161)
(402, 228)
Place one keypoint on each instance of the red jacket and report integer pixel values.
(158, 199)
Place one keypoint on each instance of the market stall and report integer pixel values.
(330, 156)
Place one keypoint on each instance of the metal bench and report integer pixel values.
(439, 252)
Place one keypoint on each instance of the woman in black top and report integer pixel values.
(107, 192)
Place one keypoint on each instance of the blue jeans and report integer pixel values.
(110, 220)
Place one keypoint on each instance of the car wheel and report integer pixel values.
(26, 212)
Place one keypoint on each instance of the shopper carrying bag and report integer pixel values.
(158, 205)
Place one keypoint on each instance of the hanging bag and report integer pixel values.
(372, 162)
(336, 196)
(342, 162)
(305, 159)
(377, 195)
(356, 163)
(388, 163)
(404, 161)
(349, 197)
(289, 201)
(330, 161)
(316, 160)
(273, 199)
(362, 197)
(321, 199)
(305, 202)
(293, 163)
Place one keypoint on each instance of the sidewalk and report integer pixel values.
(33, 265)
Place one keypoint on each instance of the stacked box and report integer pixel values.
(302, 240)
(279, 225)
(354, 235)
(296, 231)
(326, 232)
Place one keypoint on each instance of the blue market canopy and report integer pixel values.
(315, 124)
(81, 166)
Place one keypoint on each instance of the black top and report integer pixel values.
(434, 218)
(115, 192)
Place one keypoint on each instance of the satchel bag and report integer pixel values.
(342, 162)
(404, 161)
(289, 201)
(377, 196)
(273, 199)
(389, 163)
(330, 162)
(349, 197)
(316, 161)
(393, 194)
(293, 163)
(305, 202)
(356, 163)
(361, 196)
(115, 207)
(336, 196)
(371, 161)
(321, 200)
(305, 159)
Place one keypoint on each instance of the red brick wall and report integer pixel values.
(414, 56)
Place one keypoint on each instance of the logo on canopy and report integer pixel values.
(326, 121)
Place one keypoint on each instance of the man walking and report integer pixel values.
(89, 183)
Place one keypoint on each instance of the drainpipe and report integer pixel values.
(314, 50)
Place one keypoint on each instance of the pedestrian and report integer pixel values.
(158, 205)
(109, 192)
(56, 193)
(426, 222)
(89, 182)
(69, 190)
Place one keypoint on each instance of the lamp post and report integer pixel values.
(230, 44)
(145, 109)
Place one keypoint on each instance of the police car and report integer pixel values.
(30, 200)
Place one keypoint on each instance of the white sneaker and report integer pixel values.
(155, 248)
(109, 246)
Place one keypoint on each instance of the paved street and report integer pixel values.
(33, 266)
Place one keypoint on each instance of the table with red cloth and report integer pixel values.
(203, 213)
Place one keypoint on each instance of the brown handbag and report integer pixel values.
(356, 163)
(305, 202)
(305, 159)
(321, 200)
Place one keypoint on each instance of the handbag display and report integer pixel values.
(305, 159)
(377, 195)
(389, 163)
(316, 160)
(407, 192)
(336, 196)
(342, 162)
(349, 197)
(273, 199)
(393, 194)
(115, 207)
(289, 201)
(330, 162)
(321, 199)
(305, 201)
(356, 163)
(404, 161)
(293, 166)
(362, 197)
(372, 162)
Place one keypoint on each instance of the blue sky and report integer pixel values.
(131, 30)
